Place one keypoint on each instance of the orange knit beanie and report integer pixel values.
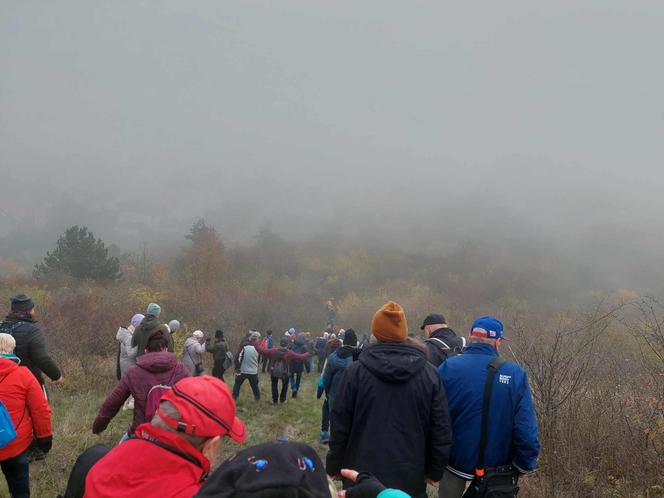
(389, 323)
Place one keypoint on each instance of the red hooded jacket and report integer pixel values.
(27, 406)
(139, 468)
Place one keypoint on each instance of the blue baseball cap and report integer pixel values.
(488, 327)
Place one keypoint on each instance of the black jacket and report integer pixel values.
(31, 347)
(390, 418)
(439, 352)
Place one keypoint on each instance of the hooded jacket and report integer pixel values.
(390, 418)
(300, 347)
(150, 370)
(334, 370)
(27, 406)
(149, 326)
(30, 346)
(141, 468)
(512, 428)
(127, 353)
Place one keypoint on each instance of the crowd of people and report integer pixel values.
(399, 413)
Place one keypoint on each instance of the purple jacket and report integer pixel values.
(150, 370)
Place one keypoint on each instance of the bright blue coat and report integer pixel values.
(512, 430)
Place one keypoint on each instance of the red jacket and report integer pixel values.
(27, 406)
(150, 369)
(140, 469)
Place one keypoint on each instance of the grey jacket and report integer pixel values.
(127, 352)
(192, 354)
(249, 363)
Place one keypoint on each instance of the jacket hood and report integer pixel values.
(393, 362)
(346, 351)
(157, 362)
(191, 340)
(7, 365)
(122, 333)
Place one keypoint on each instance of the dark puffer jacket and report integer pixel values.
(150, 370)
(334, 370)
(149, 326)
(390, 418)
(30, 346)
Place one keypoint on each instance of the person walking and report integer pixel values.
(21, 324)
(30, 416)
(297, 366)
(246, 367)
(392, 389)
(149, 326)
(319, 346)
(442, 342)
(336, 365)
(266, 343)
(219, 353)
(127, 352)
(280, 360)
(192, 353)
(512, 441)
(157, 367)
(171, 456)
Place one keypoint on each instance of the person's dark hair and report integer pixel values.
(350, 338)
(269, 332)
(156, 343)
(219, 334)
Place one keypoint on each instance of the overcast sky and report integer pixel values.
(338, 117)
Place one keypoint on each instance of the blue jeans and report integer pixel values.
(17, 473)
(295, 379)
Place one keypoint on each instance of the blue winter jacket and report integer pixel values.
(334, 369)
(512, 429)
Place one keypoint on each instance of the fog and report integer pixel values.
(415, 125)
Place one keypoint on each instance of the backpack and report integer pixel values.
(8, 328)
(443, 349)
(265, 343)
(239, 358)
(7, 429)
(279, 367)
(154, 395)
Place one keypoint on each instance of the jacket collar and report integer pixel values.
(478, 348)
(150, 432)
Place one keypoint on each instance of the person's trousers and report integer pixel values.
(321, 363)
(265, 361)
(276, 396)
(325, 422)
(308, 364)
(17, 473)
(295, 379)
(451, 486)
(253, 382)
(218, 370)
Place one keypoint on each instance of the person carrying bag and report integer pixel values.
(494, 482)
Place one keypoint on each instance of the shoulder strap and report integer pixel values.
(493, 366)
(442, 344)
(171, 449)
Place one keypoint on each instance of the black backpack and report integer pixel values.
(279, 367)
(444, 350)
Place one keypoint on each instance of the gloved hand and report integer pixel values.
(44, 443)
(100, 424)
(366, 486)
